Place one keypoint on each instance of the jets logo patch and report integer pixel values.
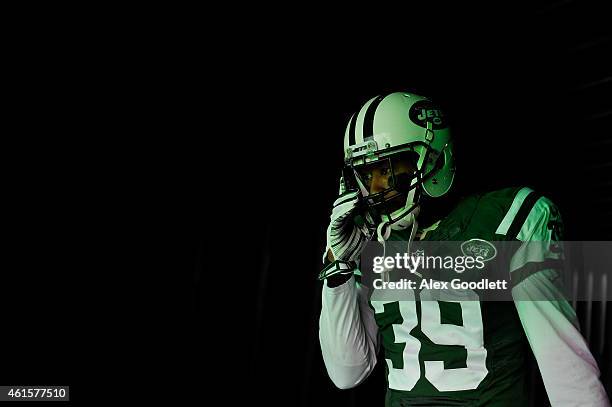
(479, 248)
(425, 111)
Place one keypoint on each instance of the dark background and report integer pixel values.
(169, 176)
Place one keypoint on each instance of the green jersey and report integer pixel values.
(459, 353)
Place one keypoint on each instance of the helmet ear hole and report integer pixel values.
(443, 173)
(441, 162)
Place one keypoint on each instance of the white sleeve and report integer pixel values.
(569, 371)
(348, 333)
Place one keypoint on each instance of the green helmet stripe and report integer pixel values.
(368, 120)
(352, 129)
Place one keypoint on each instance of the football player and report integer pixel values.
(398, 159)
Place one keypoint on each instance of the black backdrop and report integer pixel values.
(169, 177)
(528, 91)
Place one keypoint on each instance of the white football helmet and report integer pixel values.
(389, 130)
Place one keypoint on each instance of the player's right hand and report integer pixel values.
(345, 239)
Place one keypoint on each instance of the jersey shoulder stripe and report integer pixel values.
(527, 211)
(517, 203)
(543, 223)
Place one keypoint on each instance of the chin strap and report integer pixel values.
(383, 231)
(413, 232)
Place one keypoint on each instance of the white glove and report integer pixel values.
(345, 239)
